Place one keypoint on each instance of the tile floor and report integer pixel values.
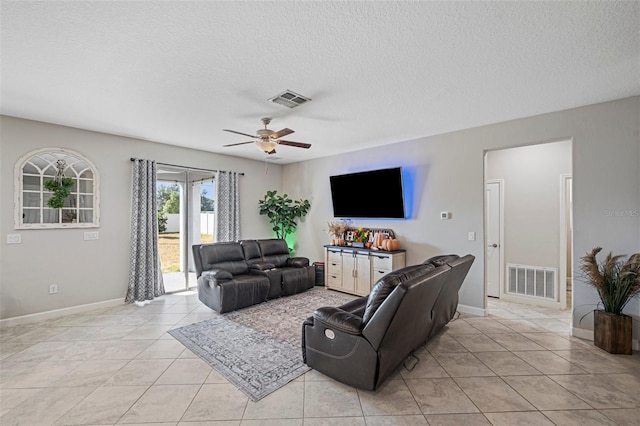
(518, 366)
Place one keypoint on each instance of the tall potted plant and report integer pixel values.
(617, 281)
(283, 212)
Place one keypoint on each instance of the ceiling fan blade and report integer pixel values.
(239, 133)
(296, 144)
(281, 133)
(241, 143)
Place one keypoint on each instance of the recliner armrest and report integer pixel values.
(339, 319)
(356, 306)
(217, 275)
(262, 266)
(298, 262)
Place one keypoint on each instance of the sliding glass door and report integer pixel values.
(185, 217)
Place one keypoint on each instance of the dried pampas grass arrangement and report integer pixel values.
(337, 229)
(616, 280)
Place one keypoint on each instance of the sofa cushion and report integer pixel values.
(388, 283)
(251, 251)
(274, 251)
(228, 256)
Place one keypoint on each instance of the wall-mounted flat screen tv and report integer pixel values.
(371, 194)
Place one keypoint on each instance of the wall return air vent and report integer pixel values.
(289, 99)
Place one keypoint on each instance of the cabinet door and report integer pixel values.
(363, 275)
(348, 272)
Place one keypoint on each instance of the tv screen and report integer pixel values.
(372, 194)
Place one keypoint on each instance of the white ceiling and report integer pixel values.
(378, 72)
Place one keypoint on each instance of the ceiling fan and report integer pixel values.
(267, 140)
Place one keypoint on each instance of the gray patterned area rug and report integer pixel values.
(258, 349)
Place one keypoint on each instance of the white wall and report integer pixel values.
(445, 173)
(93, 271)
(531, 176)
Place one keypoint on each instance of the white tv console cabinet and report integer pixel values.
(355, 270)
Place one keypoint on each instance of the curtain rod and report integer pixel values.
(185, 167)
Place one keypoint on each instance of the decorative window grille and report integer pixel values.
(532, 281)
(80, 209)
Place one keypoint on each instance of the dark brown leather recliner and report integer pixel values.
(234, 275)
(362, 342)
(224, 280)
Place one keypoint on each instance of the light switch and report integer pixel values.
(472, 236)
(90, 236)
(14, 238)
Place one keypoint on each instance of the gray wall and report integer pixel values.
(445, 173)
(93, 271)
(531, 177)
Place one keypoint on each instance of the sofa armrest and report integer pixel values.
(217, 275)
(340, 320)
(298, 262)
(262, 266)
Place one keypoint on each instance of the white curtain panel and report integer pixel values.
(227, 206)
(145, 276)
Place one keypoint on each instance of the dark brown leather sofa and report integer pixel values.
(362, 342)
(234, 275)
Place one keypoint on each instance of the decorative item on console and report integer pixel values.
(360, 237)
(385, 241)
(337, 229)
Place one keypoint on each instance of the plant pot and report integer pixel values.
(612, 333)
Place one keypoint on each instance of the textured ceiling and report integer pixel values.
(378, 72)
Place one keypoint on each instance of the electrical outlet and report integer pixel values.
(14, 238)
(445, 215)
(53, 288)
(88, 236)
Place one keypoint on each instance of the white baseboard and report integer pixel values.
(471, 310)
(56, 313)
(581, 333)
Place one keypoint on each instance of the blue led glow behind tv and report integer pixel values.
(372, 194)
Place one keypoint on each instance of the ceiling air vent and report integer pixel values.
(289, 99)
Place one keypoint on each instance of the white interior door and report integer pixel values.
(493, 250)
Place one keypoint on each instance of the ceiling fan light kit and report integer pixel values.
(267, 146)
(267, 139)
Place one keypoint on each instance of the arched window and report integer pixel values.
(80, 208)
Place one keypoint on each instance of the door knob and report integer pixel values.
(494, 245)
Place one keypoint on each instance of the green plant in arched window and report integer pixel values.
(61, 191)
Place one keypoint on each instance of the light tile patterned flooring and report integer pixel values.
(114, 366)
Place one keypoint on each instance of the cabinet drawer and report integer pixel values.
(382, 262)
(334, 256)
(376, 274)
(334, 281)
(334, 268)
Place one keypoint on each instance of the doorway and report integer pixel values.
(528, 224)
(186, 216)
